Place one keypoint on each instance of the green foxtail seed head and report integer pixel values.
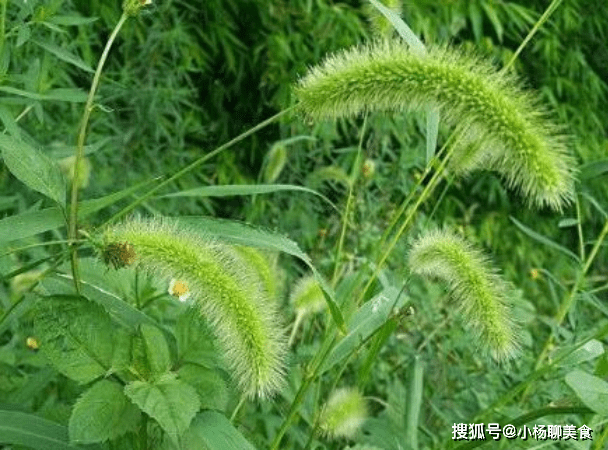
(226, 290)
(503, 128)
(262, 267)
(275, 162)
(343, 414)
(307, 296)
(481, 293)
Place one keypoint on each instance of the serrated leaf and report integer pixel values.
(171, 402)
(195, 340)
(103, 412)
(157, 351)
(64, 55)
(31, 431)
(33, 168)
(210, 386)
(75, 335)
(592, 391)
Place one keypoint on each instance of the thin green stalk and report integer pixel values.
(579, 227)
(550, 9)
(408, 199)
(299, 398)
(3, 4)
(423, 196)
(73, 225)
(569, 298)
(197, 163)
(353, 178)
(296, 325)
(237, 408)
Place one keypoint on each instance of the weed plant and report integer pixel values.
(129, 320)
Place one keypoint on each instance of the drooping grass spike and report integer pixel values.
(482, 295)
(225, 288)
(504, 128)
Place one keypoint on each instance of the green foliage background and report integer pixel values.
(185, 77)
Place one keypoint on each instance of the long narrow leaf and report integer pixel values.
(243, 234)
(35, 222)
(64, 55)
(33, 168)
(544, 240)
(245, 189)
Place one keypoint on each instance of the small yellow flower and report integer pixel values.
(179, 289)
(32, 343)
(534, 274)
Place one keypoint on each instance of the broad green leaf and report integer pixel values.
(195, 340)
(35, 222)
(544, 240)
(244, 189)
(157, 351)
(23, 35)
(9, 122)
(211, 430)
(592, 390)
(64, 55)
(33, 168)
(243, 234)
(29, 430)
(171, 402)
(76, 335)
(103, 412)
(370, 318)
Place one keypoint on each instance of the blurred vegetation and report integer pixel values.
(185, 77)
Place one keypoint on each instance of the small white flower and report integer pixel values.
(179, 289)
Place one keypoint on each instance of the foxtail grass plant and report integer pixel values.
(343, 414)
(507, 129)
(482, 295)
(162, 358)
(226, 289)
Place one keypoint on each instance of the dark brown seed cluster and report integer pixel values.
(118, 254)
